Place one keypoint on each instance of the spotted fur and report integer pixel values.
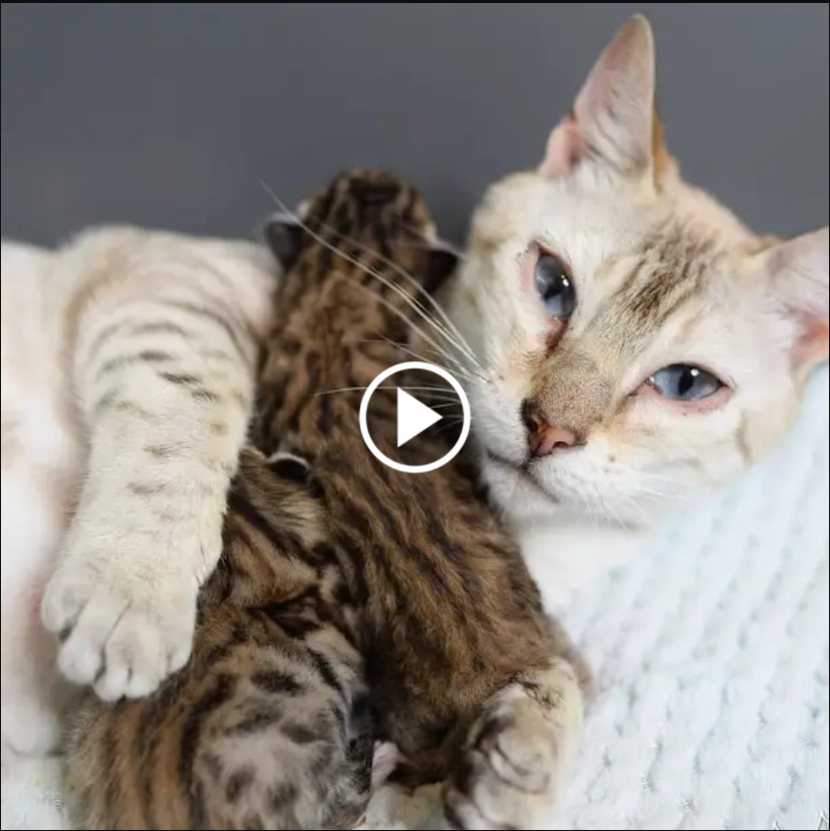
(353, 604)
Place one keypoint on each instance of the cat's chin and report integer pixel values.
(516, 491)
(524, 500)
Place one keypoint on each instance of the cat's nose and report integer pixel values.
(542, 436)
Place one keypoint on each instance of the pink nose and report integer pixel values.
(543, 438)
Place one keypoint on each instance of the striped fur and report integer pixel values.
(352, 604)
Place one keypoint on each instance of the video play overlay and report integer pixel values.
(415, 417)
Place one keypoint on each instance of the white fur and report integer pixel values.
(127, 578)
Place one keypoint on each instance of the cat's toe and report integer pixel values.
(121, 636)
(504, 780)
(518, 760)
(478, 798)
(144, 648)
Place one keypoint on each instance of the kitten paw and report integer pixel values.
(123, 628)
(385, 759)
(508, 774)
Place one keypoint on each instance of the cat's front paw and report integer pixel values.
(125, 621)
(509, 771)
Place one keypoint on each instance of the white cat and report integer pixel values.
(128, 359)
(635, 343)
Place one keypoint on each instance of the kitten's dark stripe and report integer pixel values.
(282, 795)
(323, 667)
(239, 503)
(276, 682)
(238, 784)
(220, 693)
(256, 720)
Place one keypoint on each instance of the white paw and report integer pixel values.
(508, 775)
(124, 625)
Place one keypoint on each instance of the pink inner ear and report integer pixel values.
(813, 344)
(566, 148)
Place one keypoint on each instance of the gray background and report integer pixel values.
(171, 114)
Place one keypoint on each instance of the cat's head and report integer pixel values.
(636, 341)
(367, 235)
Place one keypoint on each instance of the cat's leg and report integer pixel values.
(163, 363)
(517, 753)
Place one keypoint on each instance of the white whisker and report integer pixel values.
(411, 352)
(457, 339)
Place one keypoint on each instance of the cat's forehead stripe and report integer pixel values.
(668, 272)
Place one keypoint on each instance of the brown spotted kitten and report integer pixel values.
(353, 604)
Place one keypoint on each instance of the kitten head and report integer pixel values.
(369, 227)
(637, 342)
(357, 258)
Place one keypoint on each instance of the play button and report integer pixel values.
(414, 417)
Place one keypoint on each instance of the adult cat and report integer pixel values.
(635, 343)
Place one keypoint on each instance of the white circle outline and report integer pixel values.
(394, 370)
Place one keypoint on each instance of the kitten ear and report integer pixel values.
(798, 274)
(283, 234)
(443, 262)
(613, 119)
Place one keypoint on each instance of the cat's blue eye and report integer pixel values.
(683, 382)
(554, 286)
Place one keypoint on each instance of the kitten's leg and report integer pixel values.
(384, 761)
(517, 752)
(164, 372)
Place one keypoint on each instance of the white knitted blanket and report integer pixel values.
(713, 662)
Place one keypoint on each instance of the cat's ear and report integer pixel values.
(613, 120)
(443, 261)
(283, 234)
(798, 274)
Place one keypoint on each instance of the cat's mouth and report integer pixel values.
(522, 473)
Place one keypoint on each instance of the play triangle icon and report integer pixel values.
(413, 417)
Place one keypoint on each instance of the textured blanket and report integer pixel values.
(712, 655)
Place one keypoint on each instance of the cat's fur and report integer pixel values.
(605, 183)
(128, 360)
(663, 274)
(353, 602)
